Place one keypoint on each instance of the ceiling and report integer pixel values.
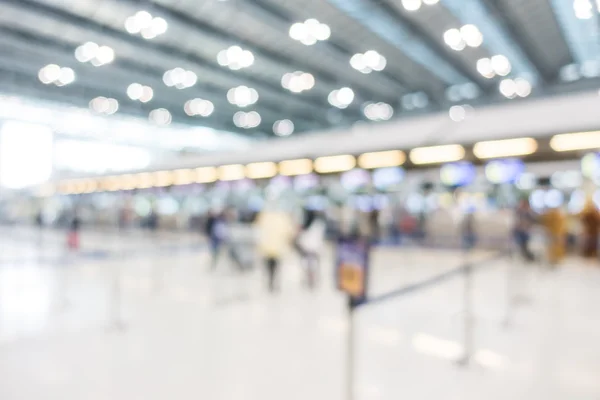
(547, 43)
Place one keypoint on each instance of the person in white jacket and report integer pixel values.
(310, 243)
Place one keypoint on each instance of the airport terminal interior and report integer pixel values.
(299, 199)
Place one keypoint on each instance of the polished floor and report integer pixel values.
(139, 316)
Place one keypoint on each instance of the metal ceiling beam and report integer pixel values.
(405, 85)
(256, 9)
(519, 34)
(141, 72)
(396, 32)
(168, 51)
(580, 34)
(496, 37)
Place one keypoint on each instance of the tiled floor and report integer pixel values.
(136, 316)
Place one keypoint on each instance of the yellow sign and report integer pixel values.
(351, 279)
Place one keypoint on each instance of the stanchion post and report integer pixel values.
(467, 311)
(350, 351)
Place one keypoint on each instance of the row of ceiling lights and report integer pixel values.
(494, 149)
(458, 39)
(94, 54)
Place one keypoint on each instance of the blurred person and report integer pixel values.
(215, 229)
(73, 232)
(590, 224)
(276, 232)
(469, 235)
(556, 228)
(310, 243)
(524, 221)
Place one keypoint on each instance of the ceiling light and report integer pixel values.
(103, 105)
(144, 24)
(261, 170)
(575, 141)
(501, 65)
(302, 166)
(180, 78)
(310, 32)
(508, 88)
(206, 174)
(232, 172)
(411, 5)
(53, 74)
(235, 58)
(505, 148)
(368, 62)
(584, 9)
(484, 67)
(378, 111)
(471, 35)
(467, 35)
(437, 154)
(86, 52)
(136, 91)
(160, 116)
(199, 107)
(242, 96)
(284, 127)
(382, 159)
(326, 165)
(298, 81)
(523, 87)
(246, 120)
(457, 113)
(341, 98)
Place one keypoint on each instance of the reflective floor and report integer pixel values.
(140, 316)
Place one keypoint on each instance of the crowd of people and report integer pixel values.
(562, 231)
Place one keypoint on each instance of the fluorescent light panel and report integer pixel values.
(382, 159)
(437, 154)
(505, 148)
(326, 165)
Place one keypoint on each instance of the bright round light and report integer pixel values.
(484, 67)
(168, 79)
(160, 116)
(508, 88)
(322, 32)
(457, 113)
(105, 55)
(113, 106)
(453, 38)
(132, 26)
(523, 87)
(222, 58)
(147, 94)
(286, 79)
(358, 62)
(86, 52)
(100, 105)
(159, 26)
(239, 119)
(67, 76)
(143, 19)
(378, 111)
(283, 128)
(52, 72)
(190, 79)
(135, 91)
(411, 5)
(345, 96)
(246, 59)
(253, 119)
(148, 33)
(298, 31)
(501, 65)
(471, 35)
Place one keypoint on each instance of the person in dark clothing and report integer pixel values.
(73, 234)
(524, 220)
(215, 231)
